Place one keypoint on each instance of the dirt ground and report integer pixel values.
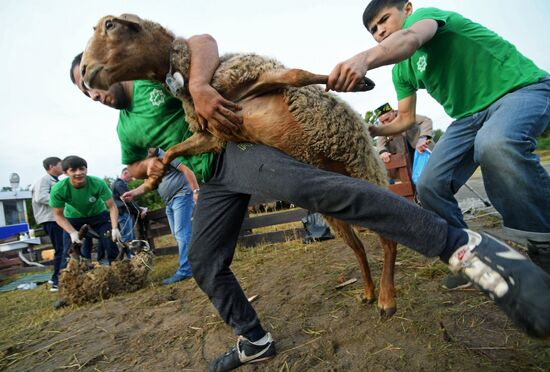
(316, 326)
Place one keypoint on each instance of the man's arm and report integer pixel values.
(395, 48)
(191, 179)
(62, 221)
(210, 107)
(42, 195)
(405, 119)
(148, 167)
(113, 212)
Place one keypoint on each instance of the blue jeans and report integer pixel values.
(179, 211)
(501, 140)
(100, 223)
(126, 226)
(56, 236)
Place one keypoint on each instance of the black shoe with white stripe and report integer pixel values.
(518, 286)
(245, 352)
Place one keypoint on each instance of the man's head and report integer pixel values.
(76, 169)
(384, 17)
(387, 117)
(115, 97)
(385, 113)
(125, 175)
(52, 165)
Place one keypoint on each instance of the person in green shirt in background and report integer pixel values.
(80, 199)
(498, 98)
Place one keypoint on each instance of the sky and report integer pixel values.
(43, 114)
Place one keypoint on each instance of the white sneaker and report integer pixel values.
(518, 286)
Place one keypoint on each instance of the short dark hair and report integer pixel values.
(124, 170)
(50, 162)
(76, 62)
(375, 6)
(73, 162)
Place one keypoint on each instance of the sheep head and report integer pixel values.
(125, 48)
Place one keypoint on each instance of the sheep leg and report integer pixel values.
(277, 79)
(122, 250)
(386, 298)
(345, 231)
(198, 143)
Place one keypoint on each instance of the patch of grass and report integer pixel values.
(543, 149)
(24, 311)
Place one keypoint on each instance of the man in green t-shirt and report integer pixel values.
(242, 170)
(80, 200)
(498, 97)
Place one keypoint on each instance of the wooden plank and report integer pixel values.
(160, 231)
(396, 161)
(292, 215)
(402, 189)
(164, 251)
(271, 237)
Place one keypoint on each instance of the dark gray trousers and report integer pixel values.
(245, 169)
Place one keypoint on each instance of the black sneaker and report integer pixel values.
(54, 288)
(539, 253)
(519, 287)
(245, 352)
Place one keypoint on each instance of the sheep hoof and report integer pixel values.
(385, 314)
(59, 304)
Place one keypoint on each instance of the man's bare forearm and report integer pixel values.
(204, 60)
(62, 221)
(138, 169)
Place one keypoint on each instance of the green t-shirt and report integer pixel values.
(465, 66)
(87, 201)
(156, 119)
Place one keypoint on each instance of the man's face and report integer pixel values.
(56, 170)
(389, 20)
(387, 117)
(77, 176)
(126, 176)
(115, 97)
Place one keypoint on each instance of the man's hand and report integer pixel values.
(346, 75)
(422, 144)
(127, 197)
(142, 212)
(116, 235)
(155, 167)
(385, 156)
(212, 109)
(75, 238)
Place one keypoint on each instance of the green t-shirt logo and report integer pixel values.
(422, 63)
(156, 97)
(92, 199)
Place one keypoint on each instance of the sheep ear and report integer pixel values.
(130, 20)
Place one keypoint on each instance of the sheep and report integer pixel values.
(280, 107)
(80, 282)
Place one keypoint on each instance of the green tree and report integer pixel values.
(151, 200)
(370, 117)
(438, 133)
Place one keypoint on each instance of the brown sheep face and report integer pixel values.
(112, 48)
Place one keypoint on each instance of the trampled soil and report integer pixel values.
(316, 326)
